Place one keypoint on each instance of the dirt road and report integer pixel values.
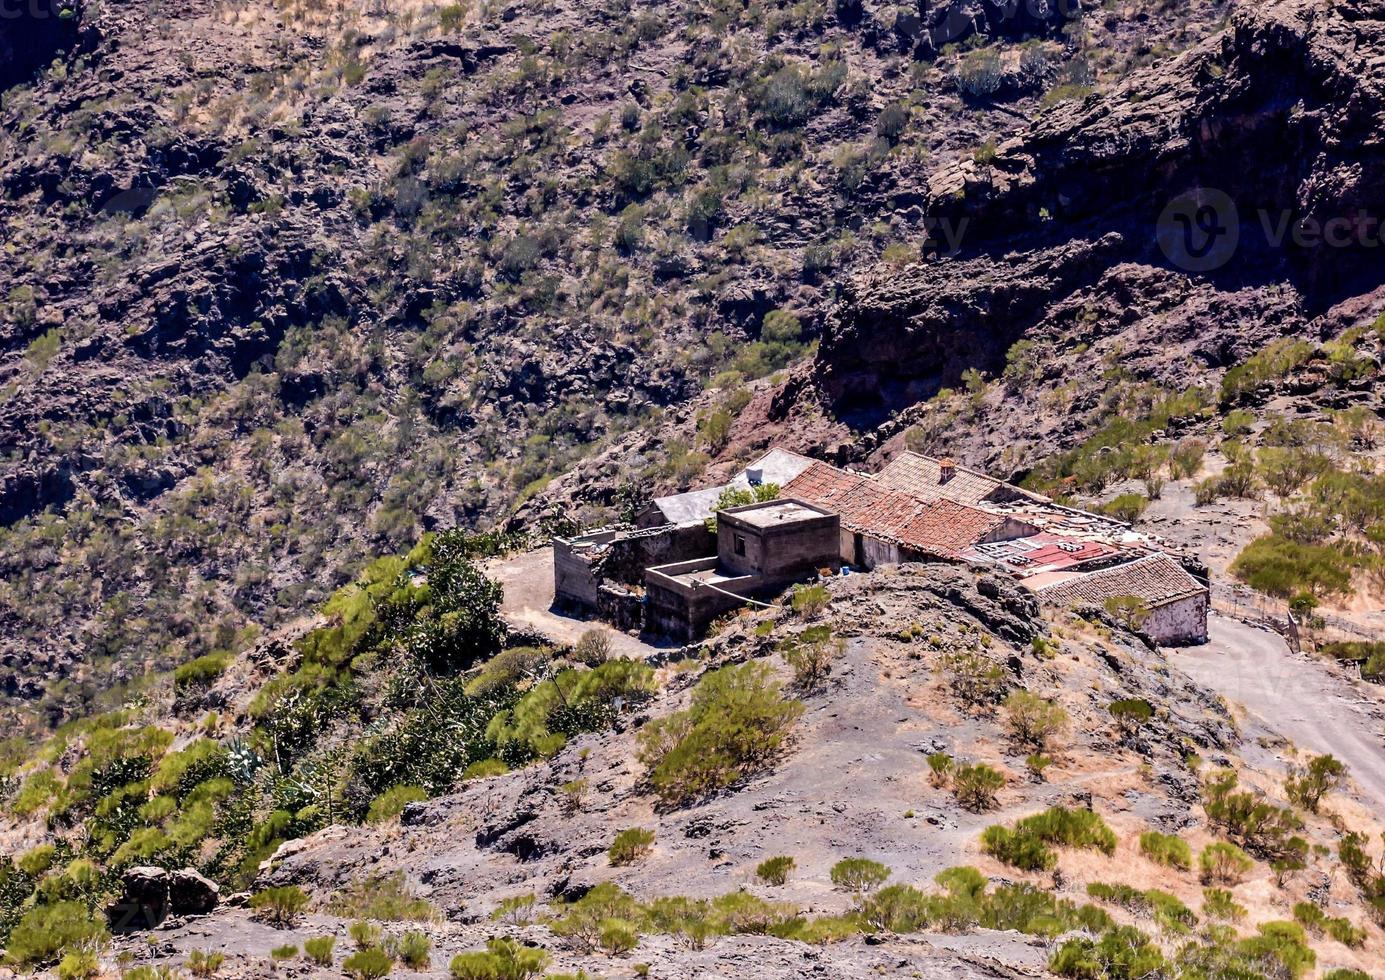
(1296, 696)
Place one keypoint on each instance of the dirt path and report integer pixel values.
(528, 582)
(1295, 696)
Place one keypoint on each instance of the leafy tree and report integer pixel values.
(630, 845)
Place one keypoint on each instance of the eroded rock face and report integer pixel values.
(1251, 164)
(31, 33)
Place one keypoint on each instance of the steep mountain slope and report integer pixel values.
(285, 284)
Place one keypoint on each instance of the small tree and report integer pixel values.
(630, 846)
(1223, 863)
(518, 910)
(319, 949)
(809, 600)
(977, 681)
(859, 875)
(368, 964)
(1131, 713)
(1307, 785)
(593, 648)
(1130, 611)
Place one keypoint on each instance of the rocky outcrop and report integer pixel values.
(1248, 173)
(151, 894)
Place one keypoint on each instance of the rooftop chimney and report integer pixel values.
(946, 469)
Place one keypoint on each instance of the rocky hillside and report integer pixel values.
(908, 773)
(286, 284)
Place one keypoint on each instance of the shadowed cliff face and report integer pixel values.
(31, 33)
(1248, 164)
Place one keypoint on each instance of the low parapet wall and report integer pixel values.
(682, 609)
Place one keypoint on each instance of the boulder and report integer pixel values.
(149, 895)
(143, 902)
(190, 893)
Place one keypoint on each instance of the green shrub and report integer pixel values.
(319, 949)
(1126, 508)
(286, 952)
(1131, 713)
(775, 870)
(364, 934)
(371, 963)
(391, 803)
(1280, 949)
(1307, 785)
(975, 786)
(811, 654)
(1033, 720)
(280, 907)
(1224, 863)
(80, 964)
(204, 963)
(1026, 846)
(1123, 953)
(504, 959)
(737, 724)
(1273, 362)
(1262, 828)
(630, 845)
(517, 910)
(44, 932)
(384, 898)
(1218, 903)
(618, 937)
(1166, 849)
(581, 920)
(859, 874)
(203, 670)
(485, 769)
(1285, 568)
(809, 600)
(412, 949)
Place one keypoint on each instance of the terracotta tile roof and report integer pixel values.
(939, 527)
(922, 476)
(1157, 579)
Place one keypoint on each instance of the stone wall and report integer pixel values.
(1179, 623)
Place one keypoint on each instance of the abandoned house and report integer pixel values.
(1176, 602)
(679, 569)
(761, 549)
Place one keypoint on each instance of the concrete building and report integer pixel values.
(761, 549)
(1177, 602)
(778, 467)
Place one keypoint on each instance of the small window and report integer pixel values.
(739, 545)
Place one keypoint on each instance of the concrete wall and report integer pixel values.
(585, 566)
(630, 554)
(1179, 623)
(573, 581)
(674, 609)
(779, 552)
